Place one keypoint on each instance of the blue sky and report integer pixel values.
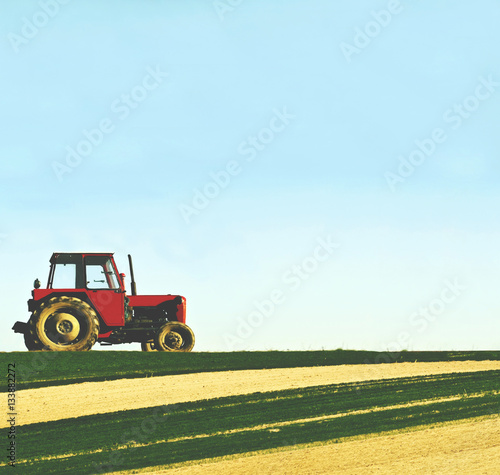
(372, 125)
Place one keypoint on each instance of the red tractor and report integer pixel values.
(85, 301)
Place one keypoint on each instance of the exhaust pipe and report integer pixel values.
(133, 288)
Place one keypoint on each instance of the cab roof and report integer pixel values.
(68, 256)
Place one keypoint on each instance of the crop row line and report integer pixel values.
(270, 426)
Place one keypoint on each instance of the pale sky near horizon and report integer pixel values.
(340, 158)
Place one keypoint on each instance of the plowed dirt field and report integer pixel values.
(75, 400)
(466, 448)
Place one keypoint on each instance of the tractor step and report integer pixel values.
(20, 327)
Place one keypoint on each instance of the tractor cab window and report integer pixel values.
(100, 273)
(64, 276)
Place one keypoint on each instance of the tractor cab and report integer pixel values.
(84, 271)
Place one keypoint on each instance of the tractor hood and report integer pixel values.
(156, 300)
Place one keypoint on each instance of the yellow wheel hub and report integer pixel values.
(65, 326)
(173, 340)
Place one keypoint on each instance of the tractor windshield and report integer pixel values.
(64, 276)
(65, 271)
(100, 273)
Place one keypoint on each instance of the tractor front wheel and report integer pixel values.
(174, 336)
(63, 324)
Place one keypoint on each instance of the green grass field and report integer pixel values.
(37, 369)
(232, 425)
(261, 421)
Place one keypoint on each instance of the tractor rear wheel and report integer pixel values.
(30, 344)
(148, 345)
(174, 336)
(64, 324)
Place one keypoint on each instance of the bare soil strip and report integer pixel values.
(274, 427)
(75, 400)
(472, 448)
